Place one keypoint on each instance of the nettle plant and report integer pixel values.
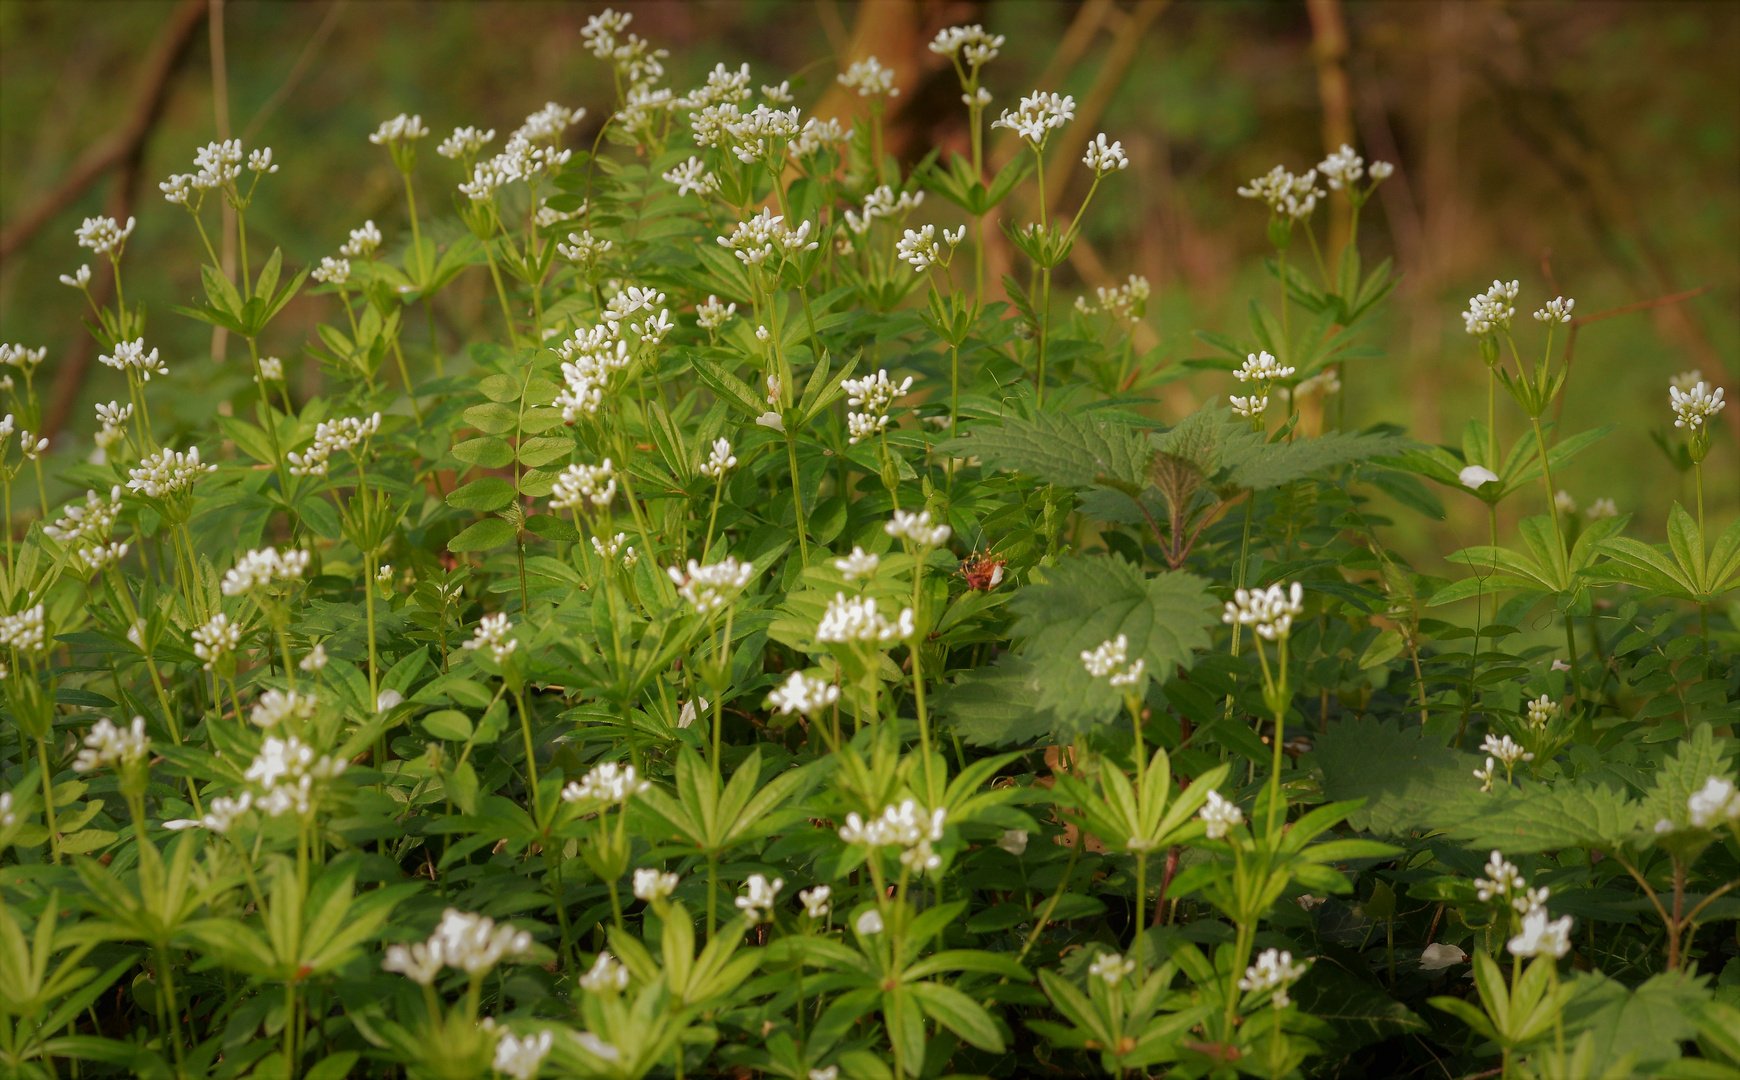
(770, 656)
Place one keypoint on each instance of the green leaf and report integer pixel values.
(1063, 448)
(492, 418)
(504, 389)
(994, 705)
(551, 527)
(960, 1014)
(484, 535)
(1405, 779)
(449, 724)
(543, 450)
(488, 452)
(1356, 1008)
(486, 494)
(1284, 462)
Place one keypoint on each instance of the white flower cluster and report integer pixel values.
(220, 814)
(1270, 610)
(883, 202)
(1505, 750)
(111, 746)
(24, 630)
(1111, 967)
(1557, 311)
(712, 315)
(634, 58)
(464, 143)
(872, 396)
(216, 639)
(22, 357)
(650, 884)
(609, 783)
(584, 249)
(521, 1058)
(525, 157)
(1105, 158)
(1542, 936)
(628, 302)
(1037, 116)
(720, 460)
(1601, 508)
(1492, 310)
(1541, 710)
(131, 357)
(607, 976)
(858, 564)
(264, 567)
(80, 279)
(709, 588)
(857, 619)
(916, 529)
(331, 437)
(1692, 408)
(1717, 801)
(87, 522)
(581, 484)
(276, 706)
(113, 419)
(869, 78)
(692, 178)
(1125, 302)
(818, 135)
(904, 826)
(167, 472)
(1262, 368)
(1344, 169)
(494, 633)
(722, 84)
(470, 943)
(969, 44)
(758, 239)
(1220, 815)
(1107, 661)
(1274, 970)
(815, 901)
(332, 271)
(595, 353)
(758, 905)
(1505, 883)
(1286, 195)
(363, 242)
(286, 771)
(401, 128)
(104, 235)
(921, 250)
(609, 549)
(802, 693)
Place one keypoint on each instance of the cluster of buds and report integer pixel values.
(1103, 158)
(131, 357)
(1289, 198)
(804, 694)
(579, 485)
(859, 564)
(709, 588)
(652, 885)
(112, 420)
(1273, 972)
(589, 358)
(464, 143)
(1344, 169)
(1220, 815)
(1264, 370)
(24, 631)
(470, 943)
(494, 633)
(1108, 662)
(331, 437)
(109, 746)
(609, 784)
(1491, 312)
(871, 396)
(916, 529)
(276, 706)
(1037, 116)
(616, 547)
(849, 621)
(263, 568)
(904, 826)
(760, 238)
(882, 202)
(1112, 968)
(1505, 884)
(87, 522)
(104, 235)
(637, 63)
(757, 907)
(1271, 611)
(1126, 303)
(712, 314)
(869, 78)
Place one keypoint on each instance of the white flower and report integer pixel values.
(1274, 970)
(419, 962)
(399, 129)
(218, 164)
(1381, 171)
(1037, 116)
(688, 714)
(1220, 815)
(315, 660)
(758, 239)
(1540, 710)
(104, 235)
(1713, 803)
(609, 549)
(770, 420)
(607, 976)
(712, 315)
(1541, 936)
(109, 746)
(1126, 302)
(7, 817)
(1692, 408)
(260, 161)
(388, 700)
(1342, 169)
(180, 189)
(815, 901)
(802, 693)
(1103, 157)
(1685, 380)
(921, 250)
(465, 142)
(917, 529)
(692, 178)
(276, 706)
(363, 241)
(1438, 956)
(1505, 882)
(331, 437)
(1270, 610)
(1014, 841)
(216, 639)
(24, 630)
(220, 814)
(263, 567)
(1263, 368)
(492, 633)
(1601, 508)
(610, 783)
(650, 885)
(1564, 502)
(1505, 750)
(1485, 775)
(758, 905)
(89, 521)
(869, 78)
(1491, 311)
(1286, 195)
(720, 460)
(77, 280)
(584, 249)
(709, 588)
(779, 95)
(131, 357)
(521, 1058)
(970, 43)
(1556, 311)
(858, 564)
(474, 943)
(332, 271)
(869, 923)
(1111, 967)
(858, 620)
(581, 484)
(817, 135)
(1107, 662)
(1473, 477)
(1249, 407)
(271, 369)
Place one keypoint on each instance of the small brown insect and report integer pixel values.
(983, 572)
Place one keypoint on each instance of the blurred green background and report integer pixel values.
(1590, 149)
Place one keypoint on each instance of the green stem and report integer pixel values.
(797, 496)
(48, 800)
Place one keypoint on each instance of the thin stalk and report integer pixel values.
(797, 496)
(48, 800)
(1559, 542)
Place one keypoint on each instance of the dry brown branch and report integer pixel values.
(1329, 48)
(297, 70)
(1068, 147)
(125, 140)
